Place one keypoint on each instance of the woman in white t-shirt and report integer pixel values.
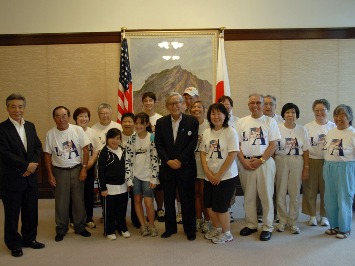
(292, 166)
(142, 170)
(219, 149)
(339, 172)
(317, 131)
(202, 223)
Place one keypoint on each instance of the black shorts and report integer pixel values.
(218, 197)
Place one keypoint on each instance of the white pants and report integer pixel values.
(258, 182)
(288, 178)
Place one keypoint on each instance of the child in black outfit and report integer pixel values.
(111, 173)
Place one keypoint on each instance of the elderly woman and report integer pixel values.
(82, 118)
(339, 172)
(292, 166)
(317, 131)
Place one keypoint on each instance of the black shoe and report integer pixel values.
(17, 252)
(59, 237)
(34, 244)
(265, 236)
(247, 231)
(191, 237)
(84, 233)
(167, 234)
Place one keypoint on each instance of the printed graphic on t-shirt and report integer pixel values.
(141, 151)
(215, 150)
(320, 142)
(336, 147)
(91, 149)
(199, 141)
(256, 136)
(291, 145)
(69, 149)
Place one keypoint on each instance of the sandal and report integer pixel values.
(332, 231)
(342, 235)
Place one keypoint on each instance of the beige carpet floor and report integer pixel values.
(311, 247)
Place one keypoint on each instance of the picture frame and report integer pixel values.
(166, 61)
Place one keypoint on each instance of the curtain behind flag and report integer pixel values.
(125, 92)
(222, 86)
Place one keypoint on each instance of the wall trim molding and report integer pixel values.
(230, 35)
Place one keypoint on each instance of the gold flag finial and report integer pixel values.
(221, 31)
(123, 32)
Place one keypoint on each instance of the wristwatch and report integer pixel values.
(262, 160)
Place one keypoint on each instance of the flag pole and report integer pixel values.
(123, 32)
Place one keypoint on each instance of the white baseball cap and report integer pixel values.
(192, 91)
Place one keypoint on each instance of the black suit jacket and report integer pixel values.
(14, 157)
(184, 146)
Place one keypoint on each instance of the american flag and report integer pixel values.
(125, 93)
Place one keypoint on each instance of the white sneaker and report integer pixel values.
(144, 230)
(153, 231)
(312, 221)
(126, 234)
(222, 238)
(214, 232)
(111, 237)
(280, 227)
(294, 230)
(91, 225)
(206, 226)
(324, 221)
(179, 218)
(71, 225)
(199, 223)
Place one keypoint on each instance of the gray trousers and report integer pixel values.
(69, 186)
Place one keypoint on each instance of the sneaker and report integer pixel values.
(111, 237)
(144, 230)
(126, 234)
(214, 232)
(324, 221)
(91, 225)
(312, 221)
(199, 223)
(222, 238)
(179, 218)
(160, 215)
(294, 230)
(206, 226)
(71, 225)
(260, 219)
(153, 231)
(280, 227)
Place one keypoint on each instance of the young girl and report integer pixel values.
(219, 149)
(142, 171)
(111, 173)
(202, 224)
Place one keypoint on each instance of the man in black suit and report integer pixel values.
(176, 139)
(20, 151)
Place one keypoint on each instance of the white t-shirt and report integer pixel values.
(316, 136)
(125, 139)
(278, 118)
(217, 145)
(233, 120)
(256, 133)
(66, 146)
(102, 130)
(293, 141)
(153, 120)
(340, 145)
(94, 140)
(201, 129)
(142, 164)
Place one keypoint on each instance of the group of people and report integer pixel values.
(192, 156)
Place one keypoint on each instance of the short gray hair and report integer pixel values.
(321, 101)
(102, 106)
(346, 109)
(15, 96)
(257, 95)
(172, 94)
(270, 96)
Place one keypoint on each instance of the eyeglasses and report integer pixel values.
(174, 103)
(269, 104)
(255, 103)
(320, 110)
